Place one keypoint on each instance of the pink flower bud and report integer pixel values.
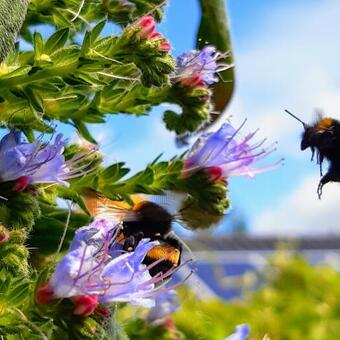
(84, 304)
(44, 294)
(4, 234)
(195, 80)
(147, 26)
(216, 174)
(21, 183)
(104, 312)
(155, 35)
(165, 46)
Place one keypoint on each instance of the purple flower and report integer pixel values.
(35, 162)
(223, 155)
(241, 333)
(38, 162)
(96, 265)
(199, 68)
(165, 304)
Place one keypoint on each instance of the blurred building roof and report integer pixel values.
(223, 264)
(244, 242)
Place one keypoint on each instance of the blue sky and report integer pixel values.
(287, 55)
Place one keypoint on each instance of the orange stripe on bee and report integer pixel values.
(164, 251)
(120, 238)
(325, 123)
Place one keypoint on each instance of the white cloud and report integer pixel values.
(289, 61)
(302, 213)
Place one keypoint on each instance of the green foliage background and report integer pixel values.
(295, 301)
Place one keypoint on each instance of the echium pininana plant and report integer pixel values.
(65, 272)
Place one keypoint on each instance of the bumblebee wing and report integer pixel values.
(100, 206)
(170, 201)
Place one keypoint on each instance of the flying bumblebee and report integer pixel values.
(142, 219)
(323, 138)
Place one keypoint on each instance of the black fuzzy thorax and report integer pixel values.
(150, 218)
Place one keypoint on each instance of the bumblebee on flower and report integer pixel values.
(96, 270)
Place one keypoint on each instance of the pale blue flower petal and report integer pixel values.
(241, 333)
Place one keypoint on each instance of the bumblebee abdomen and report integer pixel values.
(170, 256)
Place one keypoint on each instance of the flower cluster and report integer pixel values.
(222, 155)
(200, 68)
(147, 30)
(33, 163)
(97, 270)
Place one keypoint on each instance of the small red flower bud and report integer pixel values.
(195, 80)
(215, 172)
(165, 46)
(169, 324)
(147, 26)
(205, 99)
(4, 234)
(44, 294)
(21, 183)
(155, 35)
(84, 304)
(104, 312)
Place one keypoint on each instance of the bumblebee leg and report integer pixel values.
(321, 169)
(319, 190)
(320, 159)
(330, 176)
(138, 236)
(129, 243)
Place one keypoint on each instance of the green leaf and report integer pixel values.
(97, 30)
(83, 130)
(18, 294)
(20, 71)
(114, 172)
(38, 44)
(56, 41)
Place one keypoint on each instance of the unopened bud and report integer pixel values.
(84, 304)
